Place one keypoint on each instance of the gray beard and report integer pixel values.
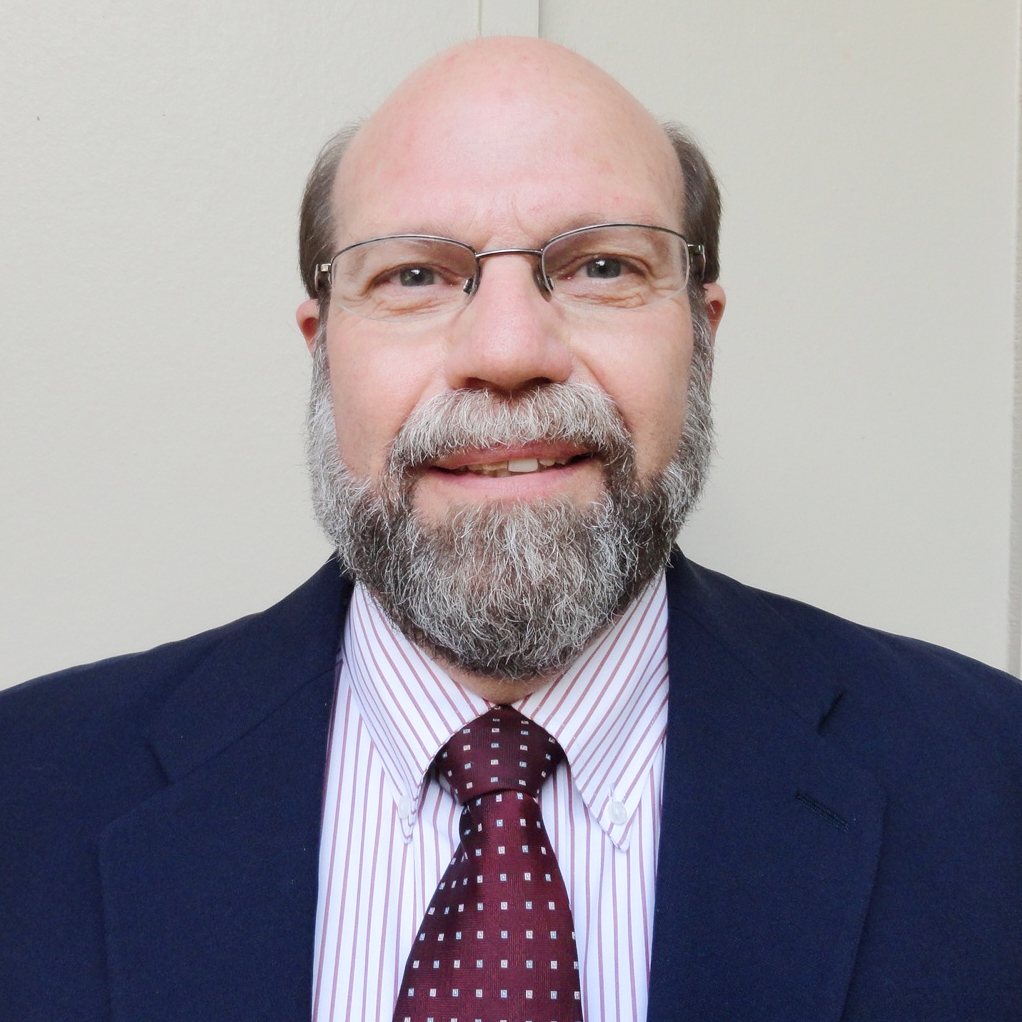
(511, 591)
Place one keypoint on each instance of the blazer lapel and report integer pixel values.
(770, 836)
(210, 885)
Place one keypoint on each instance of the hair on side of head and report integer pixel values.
(702, 205)
(316, 223)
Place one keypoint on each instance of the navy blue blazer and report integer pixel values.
(841, 840)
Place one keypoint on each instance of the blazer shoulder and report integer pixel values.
(711, 596)
(91, 756)
(114, 694)
(799, 648)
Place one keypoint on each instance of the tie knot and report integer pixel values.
(499, 751)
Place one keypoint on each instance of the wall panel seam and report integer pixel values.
(1015, 541)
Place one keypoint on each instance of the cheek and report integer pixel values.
(375, 386)
(354, 428)
(661, 419)
(647, 377)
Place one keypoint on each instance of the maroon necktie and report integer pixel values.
(497, 942)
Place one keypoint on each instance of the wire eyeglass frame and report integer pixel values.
(324, 273)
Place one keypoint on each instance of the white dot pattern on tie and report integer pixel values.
(497, 941)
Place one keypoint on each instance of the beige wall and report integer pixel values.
(152, 379)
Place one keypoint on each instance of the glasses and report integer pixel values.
(606, 266)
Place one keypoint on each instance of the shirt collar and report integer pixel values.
(410, 705)
(608, 710)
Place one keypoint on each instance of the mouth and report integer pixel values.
(526, 471)
(501, 464)
(516, 466)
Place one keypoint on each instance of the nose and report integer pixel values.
(510, 336)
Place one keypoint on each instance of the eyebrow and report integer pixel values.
(634, 217)
(441, 229)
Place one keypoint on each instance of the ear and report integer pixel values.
(715, 302)
(307, 316)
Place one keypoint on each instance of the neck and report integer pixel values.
(497, 690)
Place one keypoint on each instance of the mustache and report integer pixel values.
(460, 420)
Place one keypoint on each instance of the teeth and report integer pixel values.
(514, 466)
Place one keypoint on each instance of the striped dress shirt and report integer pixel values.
(390, 826)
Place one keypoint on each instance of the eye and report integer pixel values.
(416, 276)
(604, 268)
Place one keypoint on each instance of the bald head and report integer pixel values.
(506, 75)
(487, 109)
(486, 100)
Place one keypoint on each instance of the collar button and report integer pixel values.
(618, 813)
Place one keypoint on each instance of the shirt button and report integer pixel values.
(405, 807)
(618, 813)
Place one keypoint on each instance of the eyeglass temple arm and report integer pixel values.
(698, 252)
(321, 277)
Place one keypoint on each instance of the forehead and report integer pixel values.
(506, 154)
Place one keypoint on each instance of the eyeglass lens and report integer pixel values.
(612, 267)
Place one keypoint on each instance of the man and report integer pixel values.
(513, 298)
